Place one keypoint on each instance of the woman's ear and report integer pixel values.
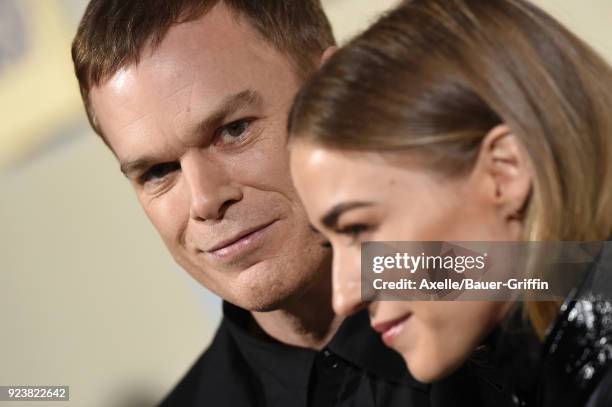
(329, 51)
(504, 172)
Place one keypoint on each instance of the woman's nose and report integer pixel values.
(346, 279)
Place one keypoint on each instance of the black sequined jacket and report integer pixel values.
(573, 366)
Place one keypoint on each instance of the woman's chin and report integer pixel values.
(426, 375)
(428, 371)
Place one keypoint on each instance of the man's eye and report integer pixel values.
(157, 172)
(234, 131)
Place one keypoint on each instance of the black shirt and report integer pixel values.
(356, 369)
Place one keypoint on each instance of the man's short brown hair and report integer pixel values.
(113, 33)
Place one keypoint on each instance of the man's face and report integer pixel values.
(198, 126)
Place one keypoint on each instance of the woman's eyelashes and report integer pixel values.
(354, 231)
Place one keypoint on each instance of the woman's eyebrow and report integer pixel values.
(330, 219)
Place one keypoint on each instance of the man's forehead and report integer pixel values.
(190, 52)
(197, 64)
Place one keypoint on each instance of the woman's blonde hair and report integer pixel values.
(438, 75)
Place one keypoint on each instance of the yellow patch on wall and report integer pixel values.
(38, 91)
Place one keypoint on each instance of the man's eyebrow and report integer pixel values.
(227, 107)
(330, 219)
(137, 165)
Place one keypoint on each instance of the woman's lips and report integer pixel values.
(389, 330)
(244, 240)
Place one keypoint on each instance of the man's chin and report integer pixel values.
(263, 287)
(264, 306)
(262, 303)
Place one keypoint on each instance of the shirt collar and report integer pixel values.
(359, 344)
(290, 366)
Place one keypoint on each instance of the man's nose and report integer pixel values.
(346, 280)
(211, 187)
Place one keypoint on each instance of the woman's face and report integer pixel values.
(357, 196)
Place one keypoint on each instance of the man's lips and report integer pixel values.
(391, 328)
(241, 238)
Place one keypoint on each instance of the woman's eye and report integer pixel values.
(158, 172)
(234, 131)
(354, 231)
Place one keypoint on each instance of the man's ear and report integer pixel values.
(329, 51)
(504, 172)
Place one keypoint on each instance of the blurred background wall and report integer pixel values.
(89, 297)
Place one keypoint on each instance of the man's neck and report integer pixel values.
(307, 321)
